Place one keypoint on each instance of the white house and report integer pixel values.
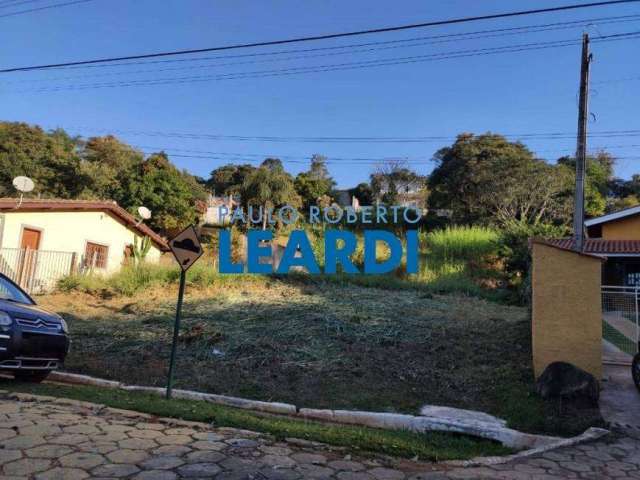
(44, 239)
(211, 216)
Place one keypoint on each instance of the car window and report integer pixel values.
(9, 291)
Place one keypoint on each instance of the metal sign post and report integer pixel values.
(186, 248)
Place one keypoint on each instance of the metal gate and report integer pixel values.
(36, 271)
(620, 328)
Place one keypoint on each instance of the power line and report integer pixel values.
(258, 157)
(319, 37)
(345, 50)
(329, 67)
(369, 139)
(47, 7)
(16, 3)
(444, 38)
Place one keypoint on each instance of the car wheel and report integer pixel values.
(31, 376)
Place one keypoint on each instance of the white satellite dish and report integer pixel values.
(23, 184)
(144, 213)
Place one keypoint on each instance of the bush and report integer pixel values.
(514, 243)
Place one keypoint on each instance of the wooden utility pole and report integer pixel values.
(581, 149)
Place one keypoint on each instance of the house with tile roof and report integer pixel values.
(43, 239)
(616, 236)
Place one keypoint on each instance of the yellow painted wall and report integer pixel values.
(70, 231)
(566, 309)
(622, 229)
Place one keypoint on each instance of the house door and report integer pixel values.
(29, 246)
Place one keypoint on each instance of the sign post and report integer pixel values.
(186, 248)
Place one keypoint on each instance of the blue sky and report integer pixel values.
(526, 92)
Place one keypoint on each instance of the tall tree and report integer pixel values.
(50, 159)
(269, 187)
(315, 183)
(111, 167)
(228, 179)
(598, 180)
(487, 179)
(170, 194)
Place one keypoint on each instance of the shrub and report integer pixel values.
(514, 243)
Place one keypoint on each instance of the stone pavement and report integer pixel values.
(620, 400)
(46, 439)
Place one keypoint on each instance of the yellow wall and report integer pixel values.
(70, 231)
(622, 229)
(566, 309)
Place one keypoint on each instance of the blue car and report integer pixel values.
(33, 342)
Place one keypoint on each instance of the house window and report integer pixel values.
(95, 255)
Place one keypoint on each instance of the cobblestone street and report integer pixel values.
(49, 439)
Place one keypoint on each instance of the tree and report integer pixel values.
(269, 186)
(598, 180)
(111, 167)
(170, 194)
(51, 160)
(488, 180)
(616, 204)
(364, 193)
(228, 179)
(315, 183)
(272, 164)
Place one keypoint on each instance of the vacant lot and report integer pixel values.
(319, 345)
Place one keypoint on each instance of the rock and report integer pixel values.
(561, 380)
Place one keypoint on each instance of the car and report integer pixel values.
(33, 341)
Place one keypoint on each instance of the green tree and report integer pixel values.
(269, 186)
(51, 160)
(315, 183)
(228, 179)
(488, 180)
(170, 194)
(112, 167)
(598, 179)
(364, 193)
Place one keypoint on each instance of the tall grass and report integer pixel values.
(461, 244)
(133, 279)
(454, 260)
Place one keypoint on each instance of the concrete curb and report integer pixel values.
(483, 426)
(589, 435)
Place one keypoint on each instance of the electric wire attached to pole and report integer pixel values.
(330, 36)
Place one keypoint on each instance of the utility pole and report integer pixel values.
(581, 149)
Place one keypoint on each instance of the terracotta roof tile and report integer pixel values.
(109, 206)
(599, 246)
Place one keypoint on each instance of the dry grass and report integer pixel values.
(316, 345)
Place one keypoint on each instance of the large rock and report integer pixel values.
(561, 380)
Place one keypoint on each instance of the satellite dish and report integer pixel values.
(144, 213)
(23, 184)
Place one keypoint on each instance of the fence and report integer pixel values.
(620, 328)
(36, 271)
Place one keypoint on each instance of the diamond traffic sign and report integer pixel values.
(186, 247)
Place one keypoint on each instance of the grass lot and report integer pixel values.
(319, 344)
(429, 446)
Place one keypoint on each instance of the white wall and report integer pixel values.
(70, 231)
